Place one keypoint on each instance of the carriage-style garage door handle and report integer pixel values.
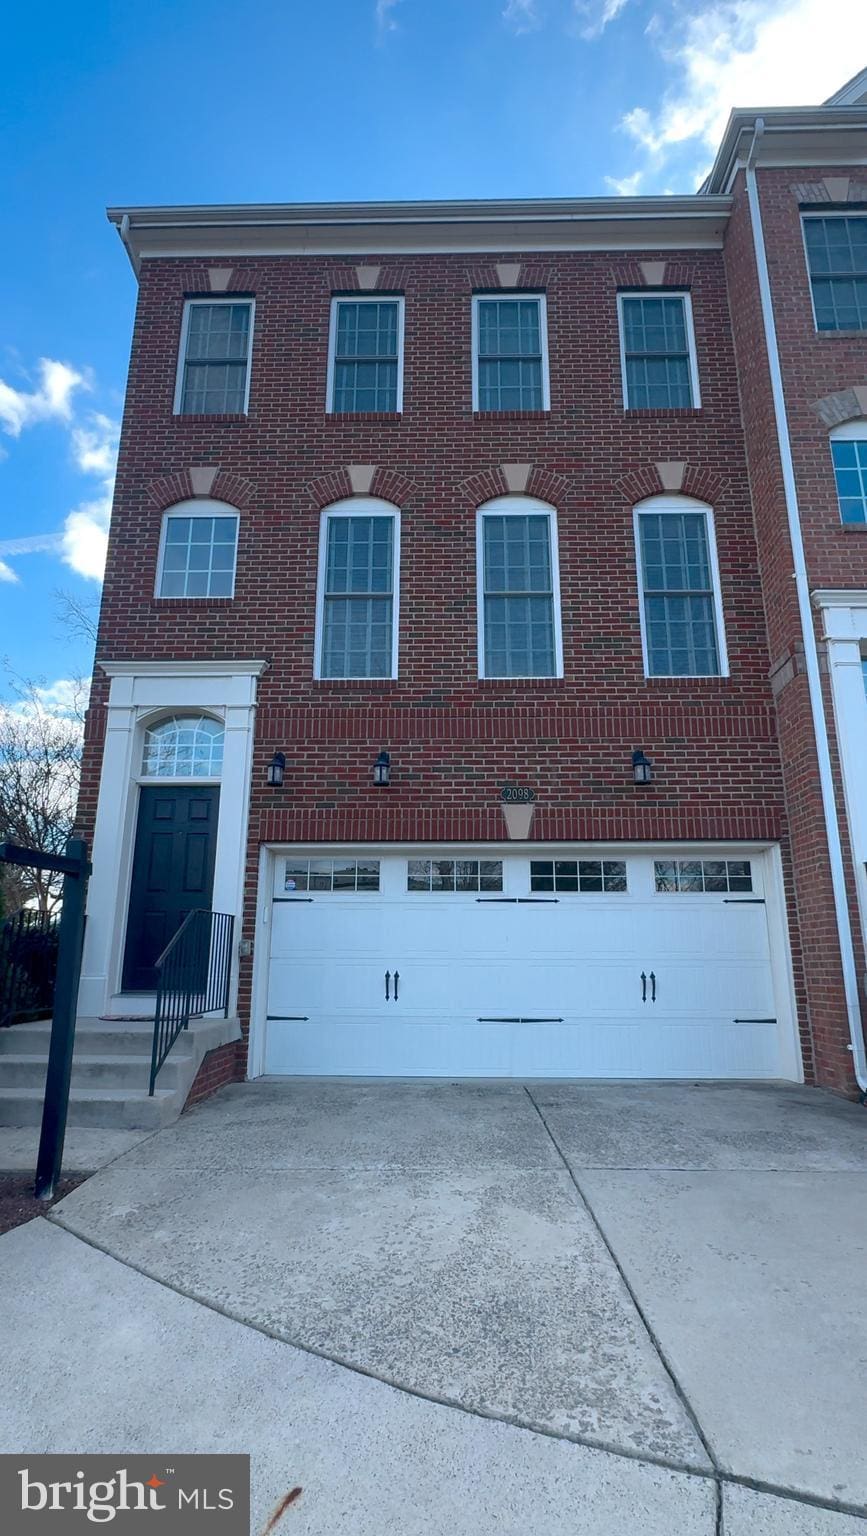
(643, 986)
(387, 983)
(653, 986)
(396, 980)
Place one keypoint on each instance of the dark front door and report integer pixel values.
(172, 872)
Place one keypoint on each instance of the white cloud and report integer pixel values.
(385, 22)
(62, 697)
(522, 16)
(95, 446)
(35, 544)
(595, 15)
(51, 399)
(93, 439)
(625, 186)
(743, 53)
(84, 540)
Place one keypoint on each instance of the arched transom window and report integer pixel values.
(184, 747)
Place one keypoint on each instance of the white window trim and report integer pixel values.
(518, 506)
(198, 508)
(830, 213)
(661, 293)
(682, 504)
(361, 506)
(189, 304)
(364, 298)
(542, 300)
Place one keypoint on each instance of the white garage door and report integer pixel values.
(521, 965)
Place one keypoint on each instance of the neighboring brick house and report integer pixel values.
(492, 501)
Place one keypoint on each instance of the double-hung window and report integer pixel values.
(357, 610)
(657, 349)
(849, 455)
(214, 365)
(365, 355)
(510, 353)
(837, 262)
(518, 587)
(681, 612)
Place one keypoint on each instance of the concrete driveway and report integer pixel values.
(565, 1307)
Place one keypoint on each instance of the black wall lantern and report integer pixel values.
(382, 771)
(642, 770)
(277, 770)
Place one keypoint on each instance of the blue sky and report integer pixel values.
(200, 101)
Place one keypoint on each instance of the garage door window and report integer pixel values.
(703, 875)
(454, 875)
(577, 875)
(331, 875)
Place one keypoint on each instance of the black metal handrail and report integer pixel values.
(193, 975)
(28, 965)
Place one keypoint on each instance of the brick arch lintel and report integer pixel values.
(361, 480)
(672, 478)
(188, 484)
(501, 480)
(844, 405)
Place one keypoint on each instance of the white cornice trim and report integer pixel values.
(182, 668)
(342, 230)
(470, 211)
(835, 597)
(837, 133)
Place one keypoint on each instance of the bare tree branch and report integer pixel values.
(78, 615)
(40, 767)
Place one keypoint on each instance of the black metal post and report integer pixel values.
(56, 1104)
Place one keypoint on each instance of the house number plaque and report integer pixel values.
(517, 794)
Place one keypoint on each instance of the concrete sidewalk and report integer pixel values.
(608, 1304)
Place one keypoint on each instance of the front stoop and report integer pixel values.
(110, 1071)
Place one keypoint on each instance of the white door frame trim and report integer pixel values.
(141, 691)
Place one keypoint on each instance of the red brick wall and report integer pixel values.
(224, 1065)
(454, 739)
(813, 366)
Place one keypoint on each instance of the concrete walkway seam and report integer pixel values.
(717, 1476)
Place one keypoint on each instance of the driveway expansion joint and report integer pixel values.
(716, 1474)
(663, 1358)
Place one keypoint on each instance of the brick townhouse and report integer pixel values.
(484, 627)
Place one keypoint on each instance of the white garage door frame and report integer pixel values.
(766, 856)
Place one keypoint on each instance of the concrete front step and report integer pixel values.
(110, 1071)
(115, 1108)
(93, 1037)
(90, 1070)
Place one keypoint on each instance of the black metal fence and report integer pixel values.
(28, 965)
(194, 971)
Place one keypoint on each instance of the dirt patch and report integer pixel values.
(18, 1202)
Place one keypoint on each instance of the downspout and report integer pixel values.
(811, 652)
(123, 231)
